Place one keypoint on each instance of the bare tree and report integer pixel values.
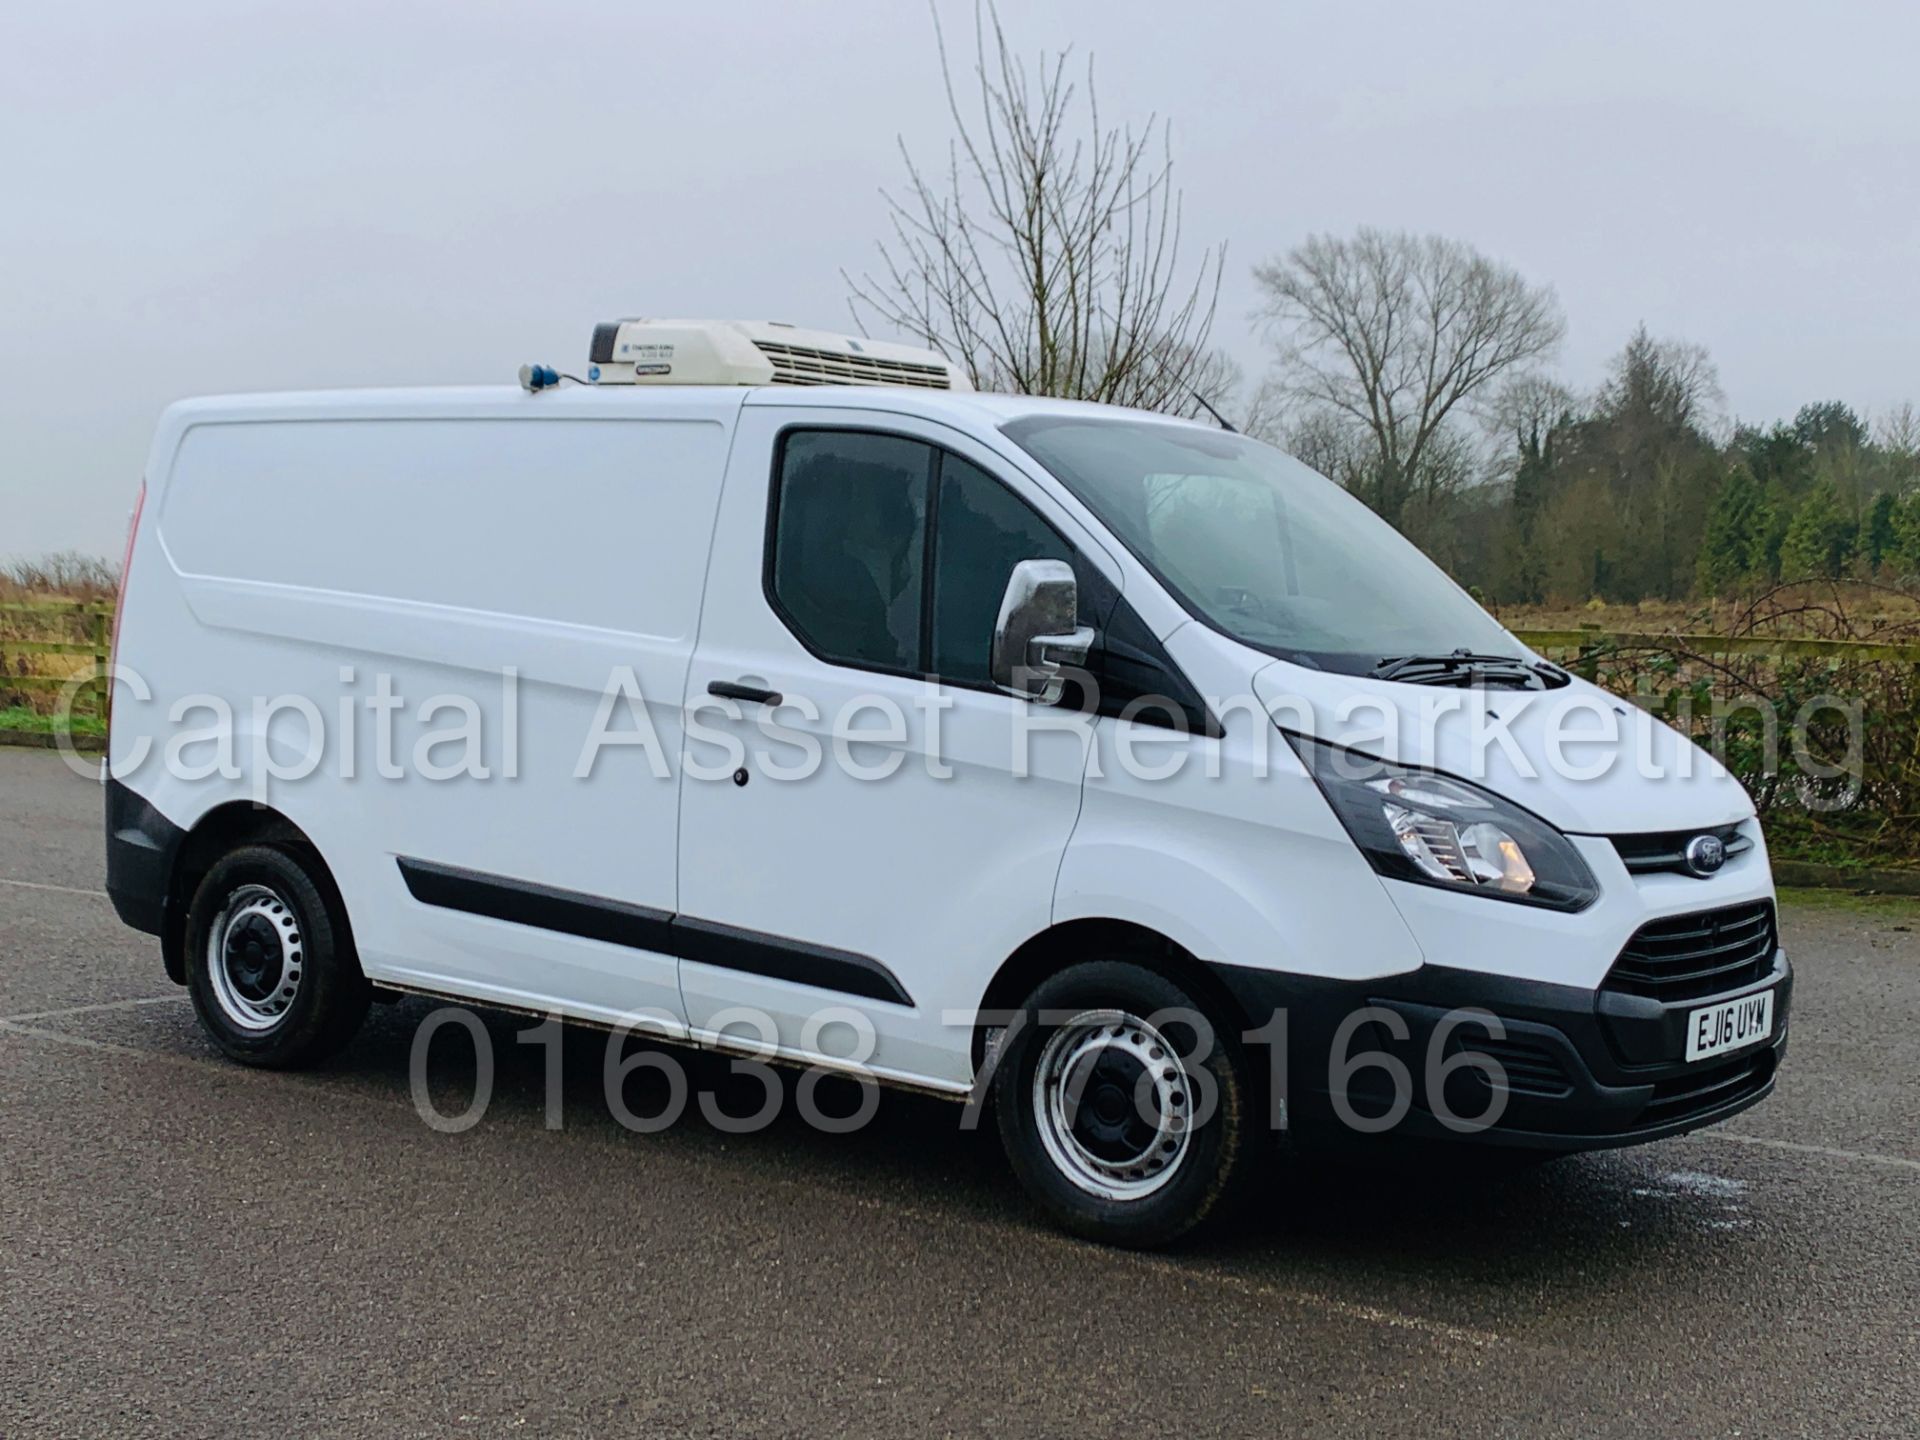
(1318, 438)
(1898, 432)
(1391, 335)
(1528, 404)
(1047, 259)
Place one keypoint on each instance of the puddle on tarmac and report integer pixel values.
(1720, 1200)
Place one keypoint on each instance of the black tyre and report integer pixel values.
(1123, 1107)
(270, 964)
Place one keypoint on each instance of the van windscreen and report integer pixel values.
(1260, 547)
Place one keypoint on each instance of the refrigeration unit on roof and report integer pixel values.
(757, 352)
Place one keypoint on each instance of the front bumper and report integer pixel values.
(1584, 1069)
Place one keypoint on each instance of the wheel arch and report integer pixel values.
(1090, 938)
(222, 830)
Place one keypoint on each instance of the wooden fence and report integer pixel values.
(1579, 650)
(1576, 649)
(63, 620)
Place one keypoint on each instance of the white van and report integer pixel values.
(778, 694)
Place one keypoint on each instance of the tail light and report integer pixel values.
(120, 596)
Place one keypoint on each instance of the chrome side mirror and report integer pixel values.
(1036, 636)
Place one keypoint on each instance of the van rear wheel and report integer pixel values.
(270, 967)
(1121, 1104)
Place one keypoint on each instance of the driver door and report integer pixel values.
(883, 834)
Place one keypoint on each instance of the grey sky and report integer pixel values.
(216, 196)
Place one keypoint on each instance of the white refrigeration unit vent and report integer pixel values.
(757, 352)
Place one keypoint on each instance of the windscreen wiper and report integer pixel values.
(1463, 667)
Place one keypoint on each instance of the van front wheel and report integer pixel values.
(272, 974)
(1122, 1106)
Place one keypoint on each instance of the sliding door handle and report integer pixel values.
(728, 690)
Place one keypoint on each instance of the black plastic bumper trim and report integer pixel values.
(1620, 1057)
(142, 845)
(640, 927)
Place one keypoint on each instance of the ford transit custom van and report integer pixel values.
(772, 692)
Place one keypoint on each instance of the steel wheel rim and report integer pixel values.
(255, 958)
(1116, 1149)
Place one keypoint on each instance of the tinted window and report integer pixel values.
(850, 544)
(982, 532)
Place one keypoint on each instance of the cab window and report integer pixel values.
(849, 545)
(981, 531)
(892, 554)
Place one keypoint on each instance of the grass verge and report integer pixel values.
(32, 722)
(1900, 911)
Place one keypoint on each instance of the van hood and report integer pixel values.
(1583, 760)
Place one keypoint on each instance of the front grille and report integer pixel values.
(1665, 851)
(1695, 1094)
(803, 365)
(1684, 957)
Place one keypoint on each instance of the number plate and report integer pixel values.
(1729, 1026)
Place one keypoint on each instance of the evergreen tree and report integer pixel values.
(1779, 457)
(1775, 513)
(1876, 535)
(1734, 545)
(1829, 425)
(1533, 474)
(1821, 538)
(1903, 559)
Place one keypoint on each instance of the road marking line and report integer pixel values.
(1306, 1299)
(55, 889)
(91, 1009)
(1346, 1309)
(1174, 1270)
(87, 1042)
(21, 1023)
(1828, 1151)
(206, 1065)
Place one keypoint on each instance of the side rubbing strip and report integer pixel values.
(709, 943)
(545, 908)
(639, 927)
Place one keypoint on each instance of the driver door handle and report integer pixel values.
(730, 690)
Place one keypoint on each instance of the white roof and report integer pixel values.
(577, 400)
(965, 409)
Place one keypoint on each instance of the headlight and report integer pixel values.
(1435, 830)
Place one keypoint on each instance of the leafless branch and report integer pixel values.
(1391, 336)
(1046, 259)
